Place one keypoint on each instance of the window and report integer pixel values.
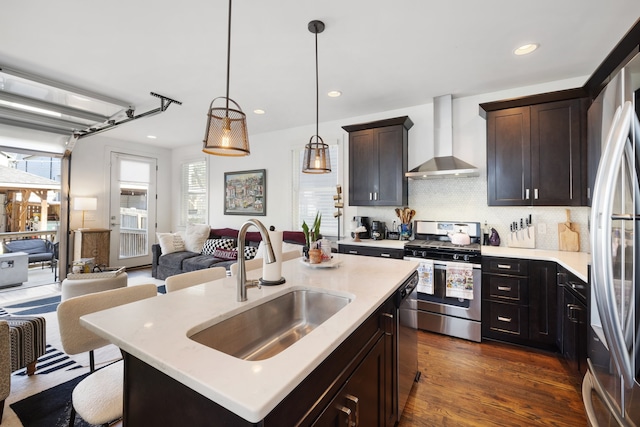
(314, 193)
(193, 190)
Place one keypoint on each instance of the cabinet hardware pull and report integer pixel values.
(356, 402)
(504, 288)
(353, 252)
(385, 255)
(507, 266)
(535, 193)
(504, 319)
(370, 196)
(526, 194)
(375, 195)
(388, 323)
(347, 412)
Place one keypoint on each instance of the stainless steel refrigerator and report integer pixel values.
(611, 386)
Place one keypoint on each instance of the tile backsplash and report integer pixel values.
(465, 199)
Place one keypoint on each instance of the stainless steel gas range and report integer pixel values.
(449, 292)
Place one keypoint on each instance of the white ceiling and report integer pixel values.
(381, 54)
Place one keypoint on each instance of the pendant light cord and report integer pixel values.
(317, 86)
(228, 57)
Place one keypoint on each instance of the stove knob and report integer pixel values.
(466, 258)
(414, 253)
(424, 254)
(456, 256)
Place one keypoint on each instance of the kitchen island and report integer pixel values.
(155, 333)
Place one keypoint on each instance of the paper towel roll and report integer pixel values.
(273, 272)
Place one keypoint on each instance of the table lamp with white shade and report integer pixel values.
(85, 204)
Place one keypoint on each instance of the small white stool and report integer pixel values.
(76, 287)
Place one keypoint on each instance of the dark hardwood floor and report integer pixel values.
(465, 383)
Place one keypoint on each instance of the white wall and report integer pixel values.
(463, 199)
(90, 175)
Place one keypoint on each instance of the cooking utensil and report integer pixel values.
(569, 235)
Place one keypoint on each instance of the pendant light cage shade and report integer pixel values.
(316, 156)
(226, 133)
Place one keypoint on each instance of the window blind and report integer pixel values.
(193, 189)
(314, 193)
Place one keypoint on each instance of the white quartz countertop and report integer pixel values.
(575, 262)
(156, 330)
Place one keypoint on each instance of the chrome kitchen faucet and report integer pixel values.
(269, 256)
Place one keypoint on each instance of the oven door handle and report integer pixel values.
(443, 266)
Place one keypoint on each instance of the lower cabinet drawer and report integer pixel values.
(509, 288)
(499, 319)
(371, 251)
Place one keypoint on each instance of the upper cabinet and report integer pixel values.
(378, 161)
(536, 154)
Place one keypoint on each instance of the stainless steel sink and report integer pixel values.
(267, 329)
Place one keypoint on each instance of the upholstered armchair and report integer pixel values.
(5, 364)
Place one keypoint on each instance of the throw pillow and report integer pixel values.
(170, 242)
(195, 237)
(211, 245)
(250, 252)
(225, 253)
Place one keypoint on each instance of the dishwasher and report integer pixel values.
(407, 339)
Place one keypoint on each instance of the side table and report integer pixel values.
(14, 269)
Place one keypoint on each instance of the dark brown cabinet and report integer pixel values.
(357, 376)
(371, 251)
(543, 303)
(378, 161)
(572, 321)
(536, 155)
(359, 402)
(519, 301)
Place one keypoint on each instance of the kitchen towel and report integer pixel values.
(459, 280)
(273, 272)
(425, 272)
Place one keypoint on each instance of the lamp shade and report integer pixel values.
(85, 203)
(316, 156)
(226, 133)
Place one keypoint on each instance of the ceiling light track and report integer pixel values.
(110, 124)
(63, 86)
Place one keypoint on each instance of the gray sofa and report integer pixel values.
(174, 263)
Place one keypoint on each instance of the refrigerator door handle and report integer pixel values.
(590, 384)
(601, 216)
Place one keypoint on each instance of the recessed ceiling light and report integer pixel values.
(151, 136)
(334, 93)
(527, 48)
(259, 111)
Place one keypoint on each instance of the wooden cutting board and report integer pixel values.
(569, 235)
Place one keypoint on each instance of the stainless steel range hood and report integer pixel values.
(444, 165)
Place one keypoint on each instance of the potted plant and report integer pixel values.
(311, 235)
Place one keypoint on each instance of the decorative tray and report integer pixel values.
(107, 272)
(325, 264)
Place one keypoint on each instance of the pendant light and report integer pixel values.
(226, 133)
(316, 152)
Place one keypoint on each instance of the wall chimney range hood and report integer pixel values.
(444, 164)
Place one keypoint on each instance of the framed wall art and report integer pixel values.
(245, 193)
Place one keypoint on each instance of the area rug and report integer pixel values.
(49, 408)
(30, 308)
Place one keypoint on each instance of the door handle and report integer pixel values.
(346, 411)
(354, 401)
(387, 323)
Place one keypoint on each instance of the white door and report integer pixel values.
(132, 212)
